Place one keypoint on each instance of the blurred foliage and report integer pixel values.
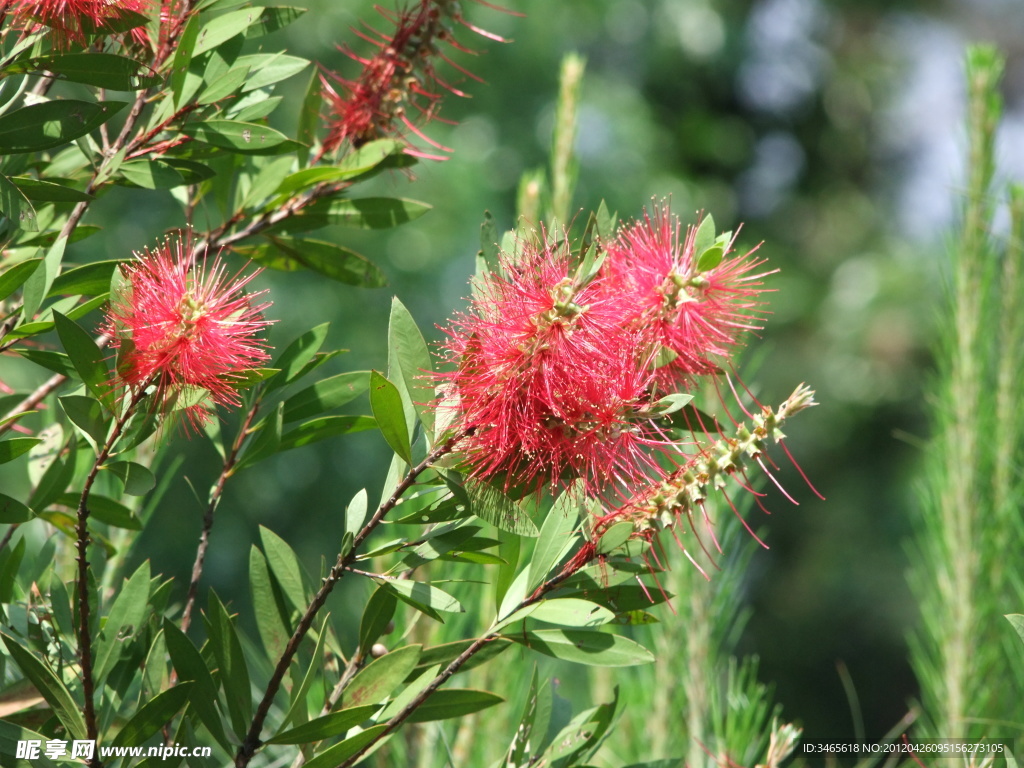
(802, 119)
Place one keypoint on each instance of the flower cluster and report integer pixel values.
(74, 21)
(188, 331)
(570, 369)
(559, 371)
(399, 85)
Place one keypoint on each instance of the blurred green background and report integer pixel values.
(830, 130)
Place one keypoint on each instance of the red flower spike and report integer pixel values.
(552, 380)
(699, 316)
(188, 331)
(398, 86)
(72, 21)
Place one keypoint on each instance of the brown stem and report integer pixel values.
(7, 536)
(204, 538)
(252, 739)
(82, 545)
(572, 567)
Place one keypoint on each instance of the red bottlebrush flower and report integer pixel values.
(188, 331)
(399, 85)
(698, 316)
(552, 381)
(71, 21)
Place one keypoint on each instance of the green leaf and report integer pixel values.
(418, 594)
(309, 118)
(16, 207)
(49, 191)
(104, 509)
(494, 505)
(242, 138)
(268, 605)
(125, 621)
(15, 447)
(88, 415)
(336, 755)
(138, 480)
(363, 213)
(408, 353)
(297, 709)
(356, 513)
(614, 537)
(223, 28)
(379, 611)
(57, 362)
(453, 702)
(670, 404)
(325, 727)
(378, 679)
(152, 174)
(12, 278)
(85, 356)
(234, 675)
(103, 70)
(710, 258)
(295, 356)
(152, 716)
(598, 649)
(556, 534)
(53, 123)
(266, 69)
(386, 404)
(446, 653)
(189, 665)
(267, 440)
(326, 395)
(705, 235)
(489, 249)
(1017, 622)
(37, 286)
(183, 58)
(49, 686)
(287, 254)
(273, 19)
(325, 427)
(224, 86)
(86, 280)
(285, 567)
(13, 511)
(10, 737)
(566, 611)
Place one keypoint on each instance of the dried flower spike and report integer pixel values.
(191, 332)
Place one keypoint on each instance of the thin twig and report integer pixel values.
(82, 544)
(574, 565)
(252, 739)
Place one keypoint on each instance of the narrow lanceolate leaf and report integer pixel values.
(268, 605)
(37, 286)
(13, 511)
(493, 505)
(420, 595)
(386, 403)
(124, 621)
(285, 566)
(378, 679)
(598, 649)
(297, 709)
(183, 57)
(555, 535)
(15, 447)
(85, 356)
(87, 414)
(363, 213)
(50, 688)
(379, 610)
(409, 362)
(12, 278)
(453, 702)
(326, 395)
(16, 206)
(49, 191)
(325, 427)
(242, 138)
(53, 123)
(1017, 621)
(86, 280)
(336, 755)
(189, 665)
(103, 70)
(288, 254)
(325, 727)
(295, 356)
(267, 440)
(234, 674)
(138, 480)
(223, 28)
(566, 611)
(154, 715)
